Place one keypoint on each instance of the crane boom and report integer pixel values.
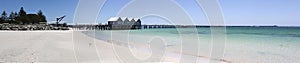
(59, 19)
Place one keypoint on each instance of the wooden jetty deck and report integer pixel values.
(107, 27)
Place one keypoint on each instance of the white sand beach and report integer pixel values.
(73, 47)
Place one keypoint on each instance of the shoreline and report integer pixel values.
(171, 55)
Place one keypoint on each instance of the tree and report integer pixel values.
(22, 12)
(22, 18)
(1, 20)
(41, 16)
(12, 16)
(16, 14)
(40, 13)
(4, 16)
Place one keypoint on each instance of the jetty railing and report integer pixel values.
(107, 27)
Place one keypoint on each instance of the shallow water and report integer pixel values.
(243, 44)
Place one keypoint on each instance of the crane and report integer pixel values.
(59, 19)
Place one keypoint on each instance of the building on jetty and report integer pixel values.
(124, 23)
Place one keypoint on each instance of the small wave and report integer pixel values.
(269, 34)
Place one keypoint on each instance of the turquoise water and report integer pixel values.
(242, 44)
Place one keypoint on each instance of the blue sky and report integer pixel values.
(236, 12)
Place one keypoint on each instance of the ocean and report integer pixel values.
(241, 44)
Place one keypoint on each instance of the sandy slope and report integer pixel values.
(75, 47)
